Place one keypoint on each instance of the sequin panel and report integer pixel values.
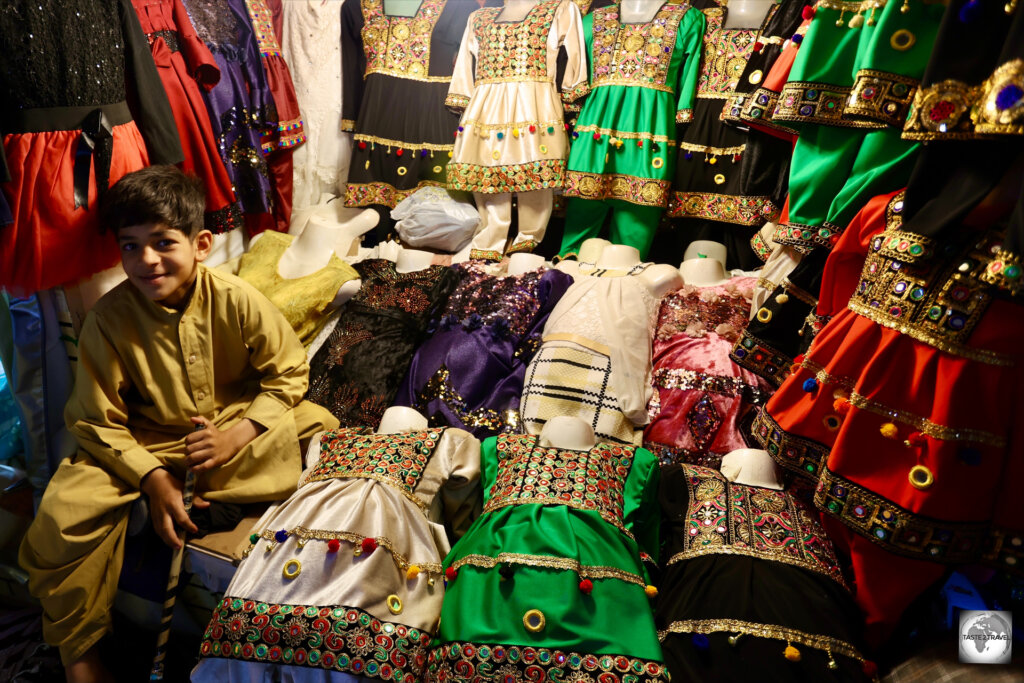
(505, 305)
(385, 288)
(724, 58)
(513, 50)
(396, 459)
(399, 46)
(729, 518)
(594, 480)
(696, 311)
(637, 54)
(215, 23)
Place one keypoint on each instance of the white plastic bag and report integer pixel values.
(432, 218)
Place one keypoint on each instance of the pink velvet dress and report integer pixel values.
(701, 395)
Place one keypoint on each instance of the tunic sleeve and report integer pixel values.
(147, 98)
(688, 42)
(97, 412)
(461, 494)
(462, 85)
(353, 64)
(197, 55)
(574, 82)
(276, 353)
(641, 512)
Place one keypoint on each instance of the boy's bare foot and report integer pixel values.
(88, 669)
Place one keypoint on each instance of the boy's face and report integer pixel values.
(161, 261)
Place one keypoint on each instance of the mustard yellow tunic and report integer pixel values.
(305, 301)
(143, 371)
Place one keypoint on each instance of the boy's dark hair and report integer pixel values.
(155, 194)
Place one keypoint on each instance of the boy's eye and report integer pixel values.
(127, 246)
(165, 244)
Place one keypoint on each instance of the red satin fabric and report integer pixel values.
(50, 242)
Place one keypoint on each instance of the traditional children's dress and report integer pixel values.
(357, 371)
(643, 79)
(469, 374)
(344, 578)
(511, 136)
(543, 585)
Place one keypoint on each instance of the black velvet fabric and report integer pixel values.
(751, 589)
(358, 370)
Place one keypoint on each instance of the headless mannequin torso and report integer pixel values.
(399, 420)
(704, 264)
(523, 263)
(567, 433)
(401, 8)
(747, 13)
(411, 260)
(751, 467)
(640, 11)
(516, 10)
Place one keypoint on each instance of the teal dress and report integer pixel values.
(643, 82)
(538, 586)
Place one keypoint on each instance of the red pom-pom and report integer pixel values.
(841, 406)
(758, 46)
(451, 573)
(533, 128)
(368, 545)
(597, 136)
(586, 585)
(567, 126)
(807, 13)
(333, 545)
(735, 157)
(399, 152)
(869, 668)
(362, 144)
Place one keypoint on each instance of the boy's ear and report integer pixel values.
(204, 243)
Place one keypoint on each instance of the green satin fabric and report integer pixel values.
(480, 607)
(631, 224)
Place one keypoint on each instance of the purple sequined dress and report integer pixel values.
(470, 373)
(241, 105)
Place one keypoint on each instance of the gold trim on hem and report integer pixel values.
(402, 143)
(305, 534)
(544, 500)
(409, 77)
(584, 571)
(630, 83)
(624, 135)
(524, 126)
(513, 79)
(847, 6)
(750, 628)
(758, 554)
(723, 151)
(347, 125)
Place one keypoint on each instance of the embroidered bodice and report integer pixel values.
(734, 519)
(385, 289)
(635, 54)
(513, 51)
(724, 57)
(263, 27)
(592, 480)
(505, 305)
(399, 46)
(696, 311)
(909, 286)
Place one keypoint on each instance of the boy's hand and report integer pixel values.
(166, 506)
(211, 447)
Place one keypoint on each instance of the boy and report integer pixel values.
(175, 346)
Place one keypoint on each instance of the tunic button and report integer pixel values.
(192, 358)
(200, 395)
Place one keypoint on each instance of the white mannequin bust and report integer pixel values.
(751, 467)
(618, 257)
(703, 272)
(516, 10)
(706, 249)
(568, 433)
(640, 11)
(411, 260)
(401, 8)
(399, 419)
(747, 13)
(660, 279)
(591, 249)
(520, 263)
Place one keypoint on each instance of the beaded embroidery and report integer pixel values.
(820, 103)
(384, 288)
(550, 562)
(343, 639)
(400, 46)
(729, 518)
(635, 54)
(642, 191)
(802, 456)
(1000, 107)
(461, 661)
(936, 301)
(805, 238)
(942, 111)
(263, 27)
(395, 459)
(741, 210)
(724, 57)
(881, 96)
(535, 175)
(506, 304)
(513, 50)
(439, 388)
(759, 108)
(383, 194)
(592, 480)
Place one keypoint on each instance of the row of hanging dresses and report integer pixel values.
(68, 132)
(343, 581)
(594, 361)
(359, 368)
(241, 106)
(709, 201)
(469, 373)
(396, 72)
(643, 78)
(538, 586)
(923, 290)
(186, 68)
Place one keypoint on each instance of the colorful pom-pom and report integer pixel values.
(688, 155)
(639, 143)
(451, 573)
(423, 153)
(399, 152)
(281, 536)
(791, 653)
(551, 129)
(797, 38)
(533, 128)
(810, 384)
(333, 545)
(807, 12)
(889, 430)
(869, 668)
(842, 405)
(782, 298)
(461, 129)
(970, 11)
(758, 46)
(515, 132)
(412, 572)
(586, 586)
(368, 545)
(651, 591)
(701, 642)
(500, 135)
(362, 144)
(597, 136)
(254, 538)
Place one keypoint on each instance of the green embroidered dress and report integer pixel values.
(537, 588)
(643, 80)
